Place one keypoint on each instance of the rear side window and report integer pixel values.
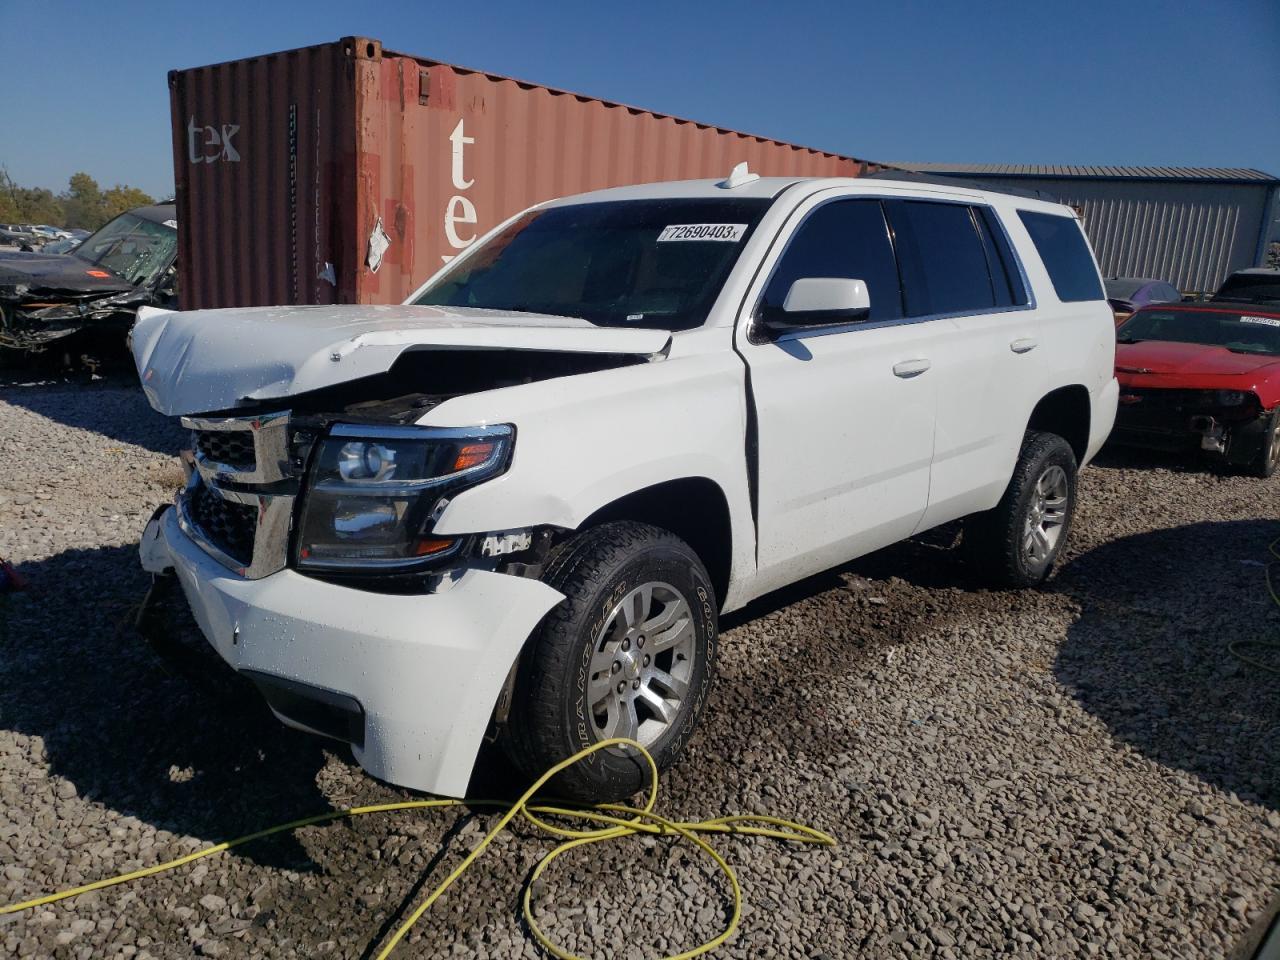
(944, 262)
(1006, 277)
(847, 239)
(1066, 256)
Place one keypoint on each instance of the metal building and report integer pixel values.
(1188, 225)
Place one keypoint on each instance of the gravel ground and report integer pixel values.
(1078, 771)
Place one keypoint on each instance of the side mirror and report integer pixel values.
(819, 302)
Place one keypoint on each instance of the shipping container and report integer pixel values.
(346, 173)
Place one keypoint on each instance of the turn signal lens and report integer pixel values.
(428, 546)
(472, 455)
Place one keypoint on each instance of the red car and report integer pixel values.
(1202, 376)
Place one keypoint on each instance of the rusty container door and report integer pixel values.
(346, 173)
(263, 160)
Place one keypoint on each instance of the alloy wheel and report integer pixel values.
(641, 664)
(1046, 514)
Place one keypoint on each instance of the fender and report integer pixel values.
(587, 441)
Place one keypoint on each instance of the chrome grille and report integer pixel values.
(238, 504)
(232, 448)
(228, 525)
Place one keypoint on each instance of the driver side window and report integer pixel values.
(848, 239)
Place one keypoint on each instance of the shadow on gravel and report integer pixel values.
(1149, 657)
(1116, 457)
(1148, 654)
(119, 410)
(209, 761)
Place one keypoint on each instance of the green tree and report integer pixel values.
(84, 203)
(121, 198)
(8, 197)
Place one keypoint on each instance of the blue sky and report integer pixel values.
(1190, 83)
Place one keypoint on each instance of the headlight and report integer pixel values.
(1231, 398)
(372, 492)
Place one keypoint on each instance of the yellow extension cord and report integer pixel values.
(624, 821)
(621, 821)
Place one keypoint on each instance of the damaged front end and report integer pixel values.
(95, 289)
(1227, 423)
(32, 318)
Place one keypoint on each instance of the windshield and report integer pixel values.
(1240, 332)
(1250, 286)
(1124, 289)
(642, 263)
(132, 247)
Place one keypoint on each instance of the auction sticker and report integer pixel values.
(1265, 321)
(730, 232)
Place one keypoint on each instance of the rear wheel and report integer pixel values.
(629, 653)
(1018, 541)
(1268, 459)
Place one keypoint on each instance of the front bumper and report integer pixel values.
(417, 676)
(1185, 421)
(30, 328)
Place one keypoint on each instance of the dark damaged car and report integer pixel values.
(97, 288)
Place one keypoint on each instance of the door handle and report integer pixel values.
(911, 368)
(1023, 345)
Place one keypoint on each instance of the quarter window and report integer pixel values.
(1005, 275)
(1066, 256)
(847, 239)
(944, 262)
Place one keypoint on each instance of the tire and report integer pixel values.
(1268, 459)
(1003, 542)
(577, 655)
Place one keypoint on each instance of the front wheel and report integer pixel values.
(629, 653)
(1017, 542)
(1268, 459)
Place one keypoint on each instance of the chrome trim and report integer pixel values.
(399, 488)
(753, 325)
(374, 431)
(271, 537)
(270, 434)
(384, 564)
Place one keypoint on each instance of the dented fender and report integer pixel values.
(585, 444)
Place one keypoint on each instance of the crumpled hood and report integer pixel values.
(205, 360)
(1186, 359)
(56, 271)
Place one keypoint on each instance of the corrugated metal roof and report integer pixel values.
(1191, 233)
(1197, 174)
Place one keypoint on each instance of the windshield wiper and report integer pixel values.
(1128, 339)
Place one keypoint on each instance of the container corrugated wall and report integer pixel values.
(1191, 234)
(263, 150)
(285, 164)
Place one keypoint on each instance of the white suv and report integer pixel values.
(517, 503)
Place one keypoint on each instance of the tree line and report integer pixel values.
(83, 204)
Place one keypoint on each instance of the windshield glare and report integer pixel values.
(132, 247)
(640, 263)
(1242, 332)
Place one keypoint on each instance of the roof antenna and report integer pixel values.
(738, 177)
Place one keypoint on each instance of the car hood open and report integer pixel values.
(203, 361)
